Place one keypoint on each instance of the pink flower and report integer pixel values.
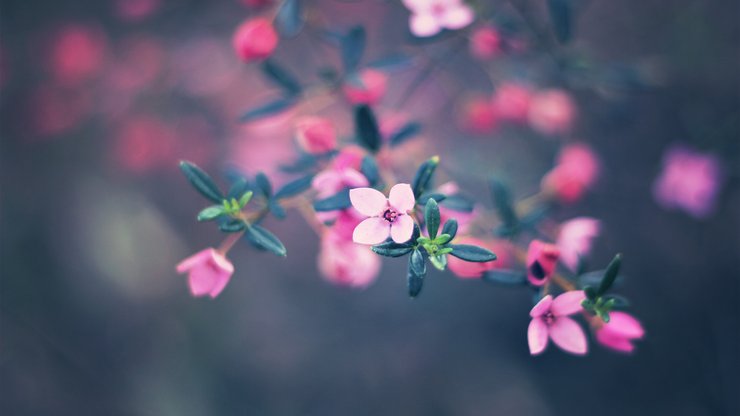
(477, 116)
(619, 333)
(349, 157)
(316, 135)
(345, 263)
(467, 269)
(485, 43)
(575, 239)
(551, 112)
(541, 261)
(550, 320)
(511, 102)
(369, 87)
(255, 39)
(576, 171)
(331, 181)
(208, 272)
(689, 181)
(77, 53)
(429, 17)
(388, 217)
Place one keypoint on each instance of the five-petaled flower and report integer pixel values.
(429, 17)
(388, 217)
(208, 272)
(550, 320)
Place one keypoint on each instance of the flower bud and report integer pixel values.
(551, 112)
(485, 43)
(369, 87)
(208, 272)
(316, 135)
(255, 39)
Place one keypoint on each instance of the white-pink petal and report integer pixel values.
(568, 335)
(624, 324)
(542, 307)
(457, 17)
(368, 201)
(402, 229)
(537, 336)
(371, 231)
(568, 303)
(424, 25)
(402, 198)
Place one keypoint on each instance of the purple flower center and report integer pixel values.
(390, 215)
(438, 9)
(549, 318)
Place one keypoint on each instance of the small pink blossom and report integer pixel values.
(429, 17)
(77, 53)
(550, 320)
(485, 43)
(208, 272)
(511, 102)
(620, 331)
(576, 171)
(345, 263)
(551, 112)
(255, 39)
(471, 270)
(477, 116)
(388, 217)
(689, 181)
(576, 238)
(369, 88)
(349, 157)
(316, 135)
(541, 261)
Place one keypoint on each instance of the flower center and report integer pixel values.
(549, 318)
(390, 215)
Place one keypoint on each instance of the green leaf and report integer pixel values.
(424, 175)
(616, 301)
(431, 218)
(265, 240)
(612, 270)
(338, 201)
(238, 188)
(561, 16)
(472, 253)
(201, 181)
(366, 128)
(392, 249)
(392, 62)
(439, 261)
(281, 77)
(263, 184)
(211, 213)
(352, 48)
(369, 168)
(590, 293)
(244, 200)
(276, 209)
(404, 133)
(458, 203)
(503, 204)
(269, 109)
(295, 187)
(450, 228)
(416, 271)
(422, 200)
(232, 226)
(289, 18)
(505, 277)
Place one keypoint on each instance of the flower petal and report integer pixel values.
(402, 228)
(402, 198)
(371, 231)
(194, 260)
(368, 201)
(219, 283)
(610, 340)
(625, 325)
(537, 336)
(542, 307)
(457, 17)
(353, 179)
(568, 303)
(423, 25)
(568, 335)
(201, 280)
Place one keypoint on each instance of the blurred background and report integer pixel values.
(100, 99)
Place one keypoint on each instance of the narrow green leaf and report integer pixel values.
(339, 201)
(424, 175)
(263, 184)
(352, 48)
(281, 77)
(244, 200)
(416, 272)
(561, 15)
(439, 261)
(232, 226)
(472, 253)
(369, 168)
(269, 109)
(392, 249)
(265, 240)
(431, 217)
(458, 203)
(276, 209)
(211, 213)
(294, 187)
(289, 18)
(422, 200)
(450, 228)
(503, 204)
(612, 270)
(404, 133)
(201, 181)
(366, 128)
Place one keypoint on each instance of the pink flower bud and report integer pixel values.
(619, 332)
(255, 39)
(511, 102)
(576, 171)
(208, 272)
(551, 112)
(485, 43)
(316, 135)
(477, 116)
(369, 87)
(345, 263)
(77, 53)
(541, 261)
(466, 269)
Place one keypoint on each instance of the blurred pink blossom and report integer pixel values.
(464, 219)
(485, 43)
(576, 170)
(466, 269)
(689, 181)
(429, 17)
(388, 217)
(343, 262)
(369, 87)
(135, 10)
(138, 64)
(576, 238)
(477, 116)
(77, 53)
(511, 102)
(143, 143)
(541, 261)
(208, 272)
(551, 112)
(620, 331)
(255, 39)
(550, 320)
(349, 157)
(315, 135)
(54, 111)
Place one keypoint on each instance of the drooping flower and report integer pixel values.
(485, 43)
(208, 272)
(255, 39)
(551, 112)
(468, 269)
(575, 239)
(315, 135)
(576, 171)
(550, 320)
(368, 88)
(541, 261)
(690, 181)
(429, 17)
(620, 331)
(388, 217)
(511, 102)
(343, 262)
